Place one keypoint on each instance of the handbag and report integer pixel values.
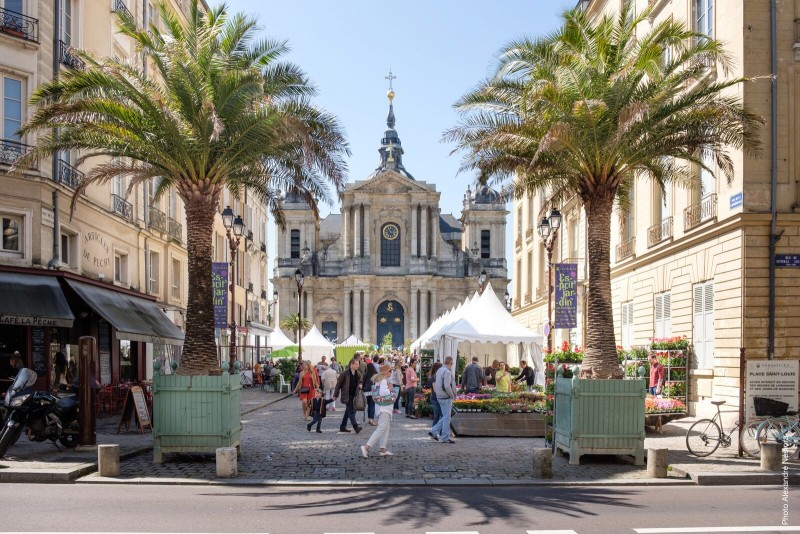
(305, 390)
(360, 401)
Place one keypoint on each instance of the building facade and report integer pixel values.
(696, 262)
(390, 262)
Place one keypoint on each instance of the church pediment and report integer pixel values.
(390, 182)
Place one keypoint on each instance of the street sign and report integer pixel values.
(566, 304)
(773, 379)
(787, 260)
(736, 200)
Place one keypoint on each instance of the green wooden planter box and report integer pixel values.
(515, 425)
(599, 417)
(196, 413)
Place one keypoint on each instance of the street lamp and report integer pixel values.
(508, 300)
(271, 304)
(234, 228)
(482, 278)
(299, 278)
(548, 231)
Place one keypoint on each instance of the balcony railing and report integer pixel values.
(529, 234)
(518, 242)
(703, 211)
(68, 175)
(121, 207)
(175, 230)
(11, 150)
(263, 247)
(120, 7)
(67, 57)
(527, 298)
(541, 292)
(157, 220)
(626, 249)
(659, 232)
(581, 267)
(18, 25)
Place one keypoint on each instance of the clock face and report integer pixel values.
(390, 232)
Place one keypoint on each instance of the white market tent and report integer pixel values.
(315, 346)
(278, 340)
(442, 322)
(352, 341)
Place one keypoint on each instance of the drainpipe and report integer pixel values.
(56, 261)
(773, 204)
(56, 68)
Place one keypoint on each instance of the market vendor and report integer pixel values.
(656, 375)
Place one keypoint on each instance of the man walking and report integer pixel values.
(348, 384)
(473, 377)
(656, 375)
(526, 373)
(445, 386)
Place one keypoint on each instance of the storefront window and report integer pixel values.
(127, 367)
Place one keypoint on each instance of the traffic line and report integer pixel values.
(552, 532)
(456, 532)
(714, 529)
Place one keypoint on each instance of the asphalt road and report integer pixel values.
(289, 510)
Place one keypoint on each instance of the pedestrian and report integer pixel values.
(318, 410)
(362, 366)
(320, 364)
(437, 409)
(367, 384)
(16, 361)
(503, 379)
(336, 366)
(385, 392)
(411, 390)
(473, 377)
(328, 380)
(306, 384)
(527, 374)
(397, 380)
(60, 367)
(347, 386)
(656, 375)
(445, 385)
(491, 373)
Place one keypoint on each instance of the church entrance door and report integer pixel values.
(391, 320)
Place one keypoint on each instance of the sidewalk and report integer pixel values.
(277, 450)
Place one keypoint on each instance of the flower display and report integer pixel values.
(656, 405)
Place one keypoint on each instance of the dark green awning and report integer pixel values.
(136, 319)
(33, 300)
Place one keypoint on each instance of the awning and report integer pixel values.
(135, 319)
(32, 300)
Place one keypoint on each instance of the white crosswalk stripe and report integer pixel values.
(700, 530)
(552, 532)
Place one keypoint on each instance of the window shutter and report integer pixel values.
(699, 334)
(666, 314)
(708, 323)
(659, 316)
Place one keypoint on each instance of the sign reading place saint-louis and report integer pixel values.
(566, 309)
(219, 285)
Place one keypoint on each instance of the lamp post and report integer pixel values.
(482, 279)
(299, 278)
(548, 230)
(234, 228)
(508, 300)
(271, 304)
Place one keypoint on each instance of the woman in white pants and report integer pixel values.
(384, 394)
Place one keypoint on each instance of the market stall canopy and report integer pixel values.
(31, 300)
(314, 339)
(440, 325)
(136, 319)
(352, 341)
(278, 340)
(284, 352)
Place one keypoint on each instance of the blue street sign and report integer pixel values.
(787, 260)
(736, 200)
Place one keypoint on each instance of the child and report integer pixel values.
(318, 409)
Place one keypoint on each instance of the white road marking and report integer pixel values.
(715, 529)
(456, 532)
(552, 532)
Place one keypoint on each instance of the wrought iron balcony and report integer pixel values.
(67, 57)
(263, 247)
(527, 298)
(250, 235)
(157, 220)
(703, 211)
(518, 242)
(582, 275)
(659, 232)
(529, 234)
(10, 150)
(541, 292)
(626, 249)
(175, 230)
(121, 207)
(120, 7)
(68, 175)
(19, 25)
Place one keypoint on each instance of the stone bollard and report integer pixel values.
(542, 463)
(771, 456)
(657, 463)
(108, 460)
(226, 462)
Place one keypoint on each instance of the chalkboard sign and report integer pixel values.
(135, 404)
(104, 351)
(38, 351)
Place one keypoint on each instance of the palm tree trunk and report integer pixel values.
(199, 348)
(600, 356)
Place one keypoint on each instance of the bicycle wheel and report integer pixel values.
(748, 439)
(703, 437)
(783, 432)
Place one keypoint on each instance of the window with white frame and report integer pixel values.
(663, 315)
(66, 21)
(121, 268)
(219, 248)
(627, 324)
(12, 107)
(176, 278)
(703, 11)
(12, 233)
(152, 15)
(153, 273)
(703, 307)
(69, 248)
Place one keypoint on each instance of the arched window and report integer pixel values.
(390, 245)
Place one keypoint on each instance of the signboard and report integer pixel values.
(104, 351)
(219, 284)
(135, 404)
(774, 379)
(566, 305)
(736, 200)
(38, 351)
(787, 260)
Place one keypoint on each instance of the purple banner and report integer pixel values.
(219, 283)
(566, 295)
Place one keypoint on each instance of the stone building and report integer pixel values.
(390, 262)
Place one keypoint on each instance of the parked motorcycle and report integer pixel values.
(46, 416)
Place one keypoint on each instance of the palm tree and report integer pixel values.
(221, 111)
(292, 324)
(590, 109)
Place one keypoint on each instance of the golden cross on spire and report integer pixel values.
(390, 77)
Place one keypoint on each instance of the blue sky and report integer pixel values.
(437, 49)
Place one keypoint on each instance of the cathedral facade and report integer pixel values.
(390, 262)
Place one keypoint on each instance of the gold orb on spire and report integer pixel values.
(390, 95)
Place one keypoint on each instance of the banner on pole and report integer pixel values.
(219, 284)
(566, 309)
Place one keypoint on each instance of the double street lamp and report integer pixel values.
(299, 278)
(482, 279)
(548, 231)
(508, 300)
(270, 305)
(234, 229)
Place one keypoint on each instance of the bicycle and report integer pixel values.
(706, 435)
(784, 430)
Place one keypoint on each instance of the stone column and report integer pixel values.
(367, 230)
(345, 233)
(357, 313)
(367, 314)
(348, 328)
(308, 307)
(424, 233)
(434, 232)
(434, 315)
(423, 310)
(413, 318)
(414, 214)
(356, 231)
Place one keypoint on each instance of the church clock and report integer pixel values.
(390, 232)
